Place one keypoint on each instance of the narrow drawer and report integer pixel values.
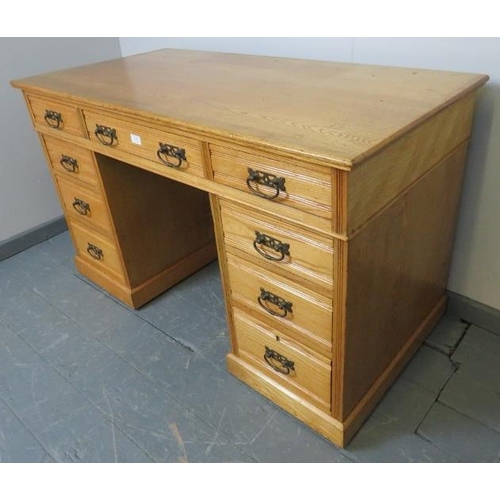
(96, 249)
(70, 160)
(166, 149)
(282, 246)
(306, 188)
(283, 304)
(84, 204)
(280, 358)
(56, 115)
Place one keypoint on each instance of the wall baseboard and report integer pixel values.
(473, 312)
(27, 239)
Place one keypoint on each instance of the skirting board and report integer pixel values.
(31, 237)
(473, 312)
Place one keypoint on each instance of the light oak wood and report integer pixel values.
(309, 413)
(310, 319)
(308, 189)
(372, 159)
(387, 377)
(149, 138)
(85, 170)
(310, 376)
(295, 216)
(83, 238)
(161, 235)
(310, 255)
(70, 119)
(386, 175)
(84, 205)
(223, 266)
(328, 112)
(397, 271)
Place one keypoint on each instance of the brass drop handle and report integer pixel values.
(53, 118)
(82, 207)
(278, 362)
(69, 164)
(166, 151)
(284, 307)
(264, 179)
(106, 135)
(267, 241)
(94, 252)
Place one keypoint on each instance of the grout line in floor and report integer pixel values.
(28, 429)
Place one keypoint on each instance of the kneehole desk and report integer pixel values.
(329, 192)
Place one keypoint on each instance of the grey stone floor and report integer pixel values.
(85, 379)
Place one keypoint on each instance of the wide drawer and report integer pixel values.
(72, 161)
(164, 148)
(302, 313)
(306, 188)
(96, 249)
(84, 204)
(293, 367)
(282, 246)
(56, 115)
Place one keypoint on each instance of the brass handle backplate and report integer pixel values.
(69, 164)
(264, 179)
(95, 252)
(53, 118)
(278, 362)
(82, 207)
(106, 135)
(167, 150)
(284, 307)
(267, 241)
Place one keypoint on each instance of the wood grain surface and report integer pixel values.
(338, 112)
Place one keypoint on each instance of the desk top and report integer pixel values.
(336, 112)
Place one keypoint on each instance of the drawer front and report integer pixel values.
(281, 245)
(283, 304)
(96, 249)
(165, 149)
(293, 367)
(56, 116)
(308, 189)
(82, 204)
(70, 160)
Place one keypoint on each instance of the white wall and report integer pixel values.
(27, 195)
(475, 270)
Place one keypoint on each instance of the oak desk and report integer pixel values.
(333, 190)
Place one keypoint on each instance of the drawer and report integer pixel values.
(282, 303)
(70, 160)
(306, 188)
(57, 116)
(179, 152)
(84, 204)
(96, 249)
(295, 368)
(278, 245)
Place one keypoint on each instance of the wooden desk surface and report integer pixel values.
(334, 112)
